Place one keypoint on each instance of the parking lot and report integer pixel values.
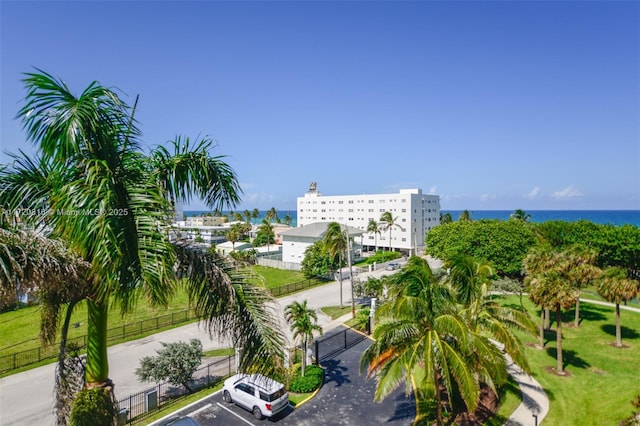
(346, 398)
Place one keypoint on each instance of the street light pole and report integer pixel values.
(353, 302)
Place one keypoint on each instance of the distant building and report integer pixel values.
(296, 240)
(415, 214)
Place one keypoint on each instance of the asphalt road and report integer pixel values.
(346, 398)
(27, 398)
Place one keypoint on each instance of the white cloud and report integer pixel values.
(433, 190)
(534, 193)
(485, 197)
(567, 193)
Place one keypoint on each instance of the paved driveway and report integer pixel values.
(346, 398)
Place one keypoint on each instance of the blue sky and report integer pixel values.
(489, 104)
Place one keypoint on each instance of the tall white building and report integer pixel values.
(414, 215)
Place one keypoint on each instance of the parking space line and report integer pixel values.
(238, 416)
(193, 413)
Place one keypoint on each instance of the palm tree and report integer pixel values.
(271, 214)
(247, 216)
(336, 245)
(303, 321)
(287, 220)
(615, 286)
(465, 216)
(520, 215)
(471, 281)
(553, 288)
(467, 276)
(373, 228)
(420, 339)
(581, 270)
(233, 235)
(445, 218)
(111, 205)
(265, 232)
(388, 222)
(255, 213)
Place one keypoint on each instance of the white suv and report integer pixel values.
(259, 394)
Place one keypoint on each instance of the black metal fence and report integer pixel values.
(300, 285)
(20, 359)
(23, 358)
(333, 344)
(138, 406)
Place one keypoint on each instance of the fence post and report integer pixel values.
(317, 350)
(39, 354)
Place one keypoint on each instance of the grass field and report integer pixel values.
(602, 379)
(20, 329)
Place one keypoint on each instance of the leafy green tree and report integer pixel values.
(303, 321)
(336, 245)
(175, 362)
(388, 222)
(616, 287)
(503, 244)
(374, 229)
(317, 262)
(111, 204)
(233, 235)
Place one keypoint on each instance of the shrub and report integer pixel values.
(92, 407)
(311, 381)
(383, 256)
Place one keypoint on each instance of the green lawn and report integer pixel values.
(602, 379)
(336, 311)
(20, 329)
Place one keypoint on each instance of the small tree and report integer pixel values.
(303, 321)
(175, 362)
(615, 286)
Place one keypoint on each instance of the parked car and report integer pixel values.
(392, 266)
(263, 396)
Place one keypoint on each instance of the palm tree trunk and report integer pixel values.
(559, 366)
(304, 356)
(576, 321)
(618, 330)
(439, 417)
(542, 319)
(547, 318)
(97, 373)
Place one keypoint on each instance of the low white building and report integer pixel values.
(296, 240)
(414, 215)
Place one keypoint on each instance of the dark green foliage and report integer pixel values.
(175, 362)
(92, 407)
(317, 262)
(616, 245)
(504, 244)
(311, 381)
(383, 256)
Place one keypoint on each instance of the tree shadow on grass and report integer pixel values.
(626, 332)
(569, 358)
(334, 372)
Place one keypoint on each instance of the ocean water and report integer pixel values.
(603, 217)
